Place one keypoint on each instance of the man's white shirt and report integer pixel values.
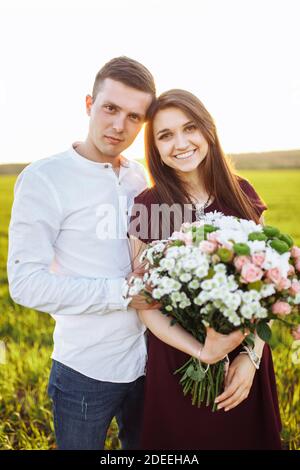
(69, 256)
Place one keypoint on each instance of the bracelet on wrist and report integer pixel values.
(254, 357)
(200, 360)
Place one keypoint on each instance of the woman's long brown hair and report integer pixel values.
(219, 179)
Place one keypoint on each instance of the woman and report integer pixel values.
(188, 168)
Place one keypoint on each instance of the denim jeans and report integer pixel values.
(84, 407)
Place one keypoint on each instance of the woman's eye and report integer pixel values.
(109, 108)
(164, 136)
(190, 128)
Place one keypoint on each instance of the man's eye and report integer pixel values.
(109, 108)
(135, 117)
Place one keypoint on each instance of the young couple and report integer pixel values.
(64, 262)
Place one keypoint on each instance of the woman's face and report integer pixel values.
(179, 141)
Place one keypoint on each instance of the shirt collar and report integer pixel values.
(124, 162)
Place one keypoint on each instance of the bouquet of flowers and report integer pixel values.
(226, 273)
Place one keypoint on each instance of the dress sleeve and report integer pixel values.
(258, 204)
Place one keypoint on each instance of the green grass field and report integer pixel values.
(25, 411)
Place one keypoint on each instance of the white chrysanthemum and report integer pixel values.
(202, 298)
(185, 277)
(189, 263)
(218, 304)
(275, 260)
(257, 246)
(169, 308)
(207, 309)
(235, 319)
(175, 297)
(169, 285)
(207, 284)
(149, 255)
(217, 293)
(267, 290)
(234, 235)
(211, 217)
(297, 299)
(194, 284)
(185, 303)
(136, 287)
(159, 247)
(262, 313)
(219, 279)
(220, 268)
(250, 296)
(250, 310)
(202, 271)
(167, 264)
(157, 293)
(248, 226)
(228, 223)
(154, 278)
(234, 301)
(173, 252)
(246, 311)
(231, 284)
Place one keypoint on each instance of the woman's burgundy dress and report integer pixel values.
(172, 422)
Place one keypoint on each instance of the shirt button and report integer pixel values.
(106, 166)
(17, 261)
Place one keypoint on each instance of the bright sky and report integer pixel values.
(240, 57)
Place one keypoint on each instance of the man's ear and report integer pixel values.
(88, 104)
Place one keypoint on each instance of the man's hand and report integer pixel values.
(238, 383)
(139, 303)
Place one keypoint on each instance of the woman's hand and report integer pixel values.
(217, 345)
(238, 383)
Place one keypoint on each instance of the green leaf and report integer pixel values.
(257, 236)
(271, 231)
(264, 331)
(241, 249)
(279, 245)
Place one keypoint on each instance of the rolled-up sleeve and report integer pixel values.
(34, 227)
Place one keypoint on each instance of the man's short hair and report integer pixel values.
(127, 71)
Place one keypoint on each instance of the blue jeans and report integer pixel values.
(83, 409)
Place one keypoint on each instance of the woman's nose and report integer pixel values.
(181, 142)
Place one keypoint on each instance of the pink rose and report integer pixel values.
(284, 284)
(296, 332)
(295, 252)
(295, 287)
(297, 265)
(258, 259)
(251, 273)
(213, 237)
(291, 270)
(208, 247)
(281, 308)
(274, 275)
(240, 261)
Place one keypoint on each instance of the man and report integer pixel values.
(68, 256)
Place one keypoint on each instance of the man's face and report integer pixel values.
(116, 116)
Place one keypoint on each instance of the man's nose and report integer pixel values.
(119, 123)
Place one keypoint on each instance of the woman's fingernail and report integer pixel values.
(226, 409)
